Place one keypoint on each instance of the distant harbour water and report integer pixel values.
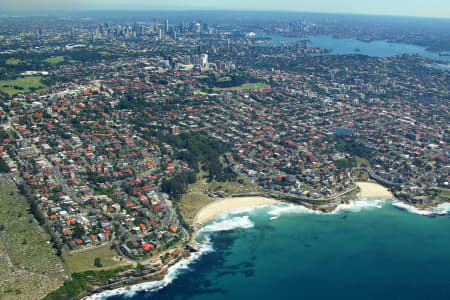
(381, 48)
(439, 66)
(369, 249)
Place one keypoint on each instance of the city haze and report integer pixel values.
(432, 8)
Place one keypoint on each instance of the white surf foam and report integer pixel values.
(225, 224)
(290, 209)
(360, 204)
(443, 208)
(243, 210)
(173, 273)
(352, 206)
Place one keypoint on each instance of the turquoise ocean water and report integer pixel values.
(370, 249)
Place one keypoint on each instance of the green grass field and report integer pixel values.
(84, 261)
(196, 198)
(191, 204)
(245, 86)
(54, 60)
(233, 187)
(21, 85)
(445, 193)
(29, 266)
(13, 61)
(59, 59)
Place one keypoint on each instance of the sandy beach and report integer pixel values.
(373, 190)
(212, 210)
(216, 208)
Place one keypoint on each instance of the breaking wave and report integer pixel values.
(290, 209)
(228, 224)
(243, 210)
(441, 209)
(222, 223)
(360, 204)
(229, 221)
(173, 273)
(352, 206)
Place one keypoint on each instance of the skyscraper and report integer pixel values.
(204, 60)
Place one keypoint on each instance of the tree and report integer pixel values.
(140, 267)
(3, 166)
(97, 262)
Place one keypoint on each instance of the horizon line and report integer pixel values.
(47, 11)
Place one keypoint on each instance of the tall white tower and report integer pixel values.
(204, 60)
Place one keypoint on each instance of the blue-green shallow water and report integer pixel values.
(376, 253)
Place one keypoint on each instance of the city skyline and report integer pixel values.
(432, 8)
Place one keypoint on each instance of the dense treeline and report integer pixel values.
(36, 61)
(346, 164)
(3, 166)
(178, 184)
(350, 146)
(197, 149)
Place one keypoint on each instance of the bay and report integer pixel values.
(380, 48)
(367, 250)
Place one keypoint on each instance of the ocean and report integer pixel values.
(368, 249)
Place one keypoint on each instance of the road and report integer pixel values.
(57, 174)
(66, 189)
(167, 208)
(171, 217)
(375, 176)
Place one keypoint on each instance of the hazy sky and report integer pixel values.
(429, 8)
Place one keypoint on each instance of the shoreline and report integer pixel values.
(125, 281)
(368, 191)
(216, 208)
(371, 190)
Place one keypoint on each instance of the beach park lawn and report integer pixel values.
(191, 204)
(196, 198)
(240, 186)
(84, 260)
(21, 85)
